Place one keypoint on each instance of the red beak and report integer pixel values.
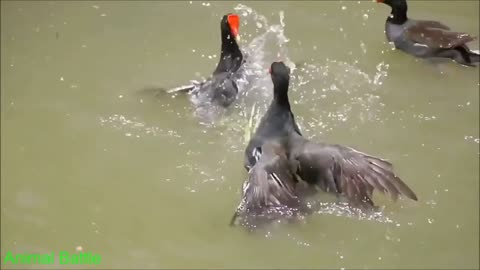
(234, 22)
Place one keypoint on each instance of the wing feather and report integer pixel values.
(436, 37)
(359, 174)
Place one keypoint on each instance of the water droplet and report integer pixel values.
(344, 7)
(362, 46)
(365, 16)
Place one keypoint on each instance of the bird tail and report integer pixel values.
(235, 216)
(183, 88)
(160, 91)
(474, 56)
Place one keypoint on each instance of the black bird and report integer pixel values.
(278, 122)
(331, 167)
(426, 39)
(221, 88)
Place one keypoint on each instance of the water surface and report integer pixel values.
(88, 161)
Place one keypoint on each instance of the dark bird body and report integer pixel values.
(426, 39)
(331, 167)
(221, 88)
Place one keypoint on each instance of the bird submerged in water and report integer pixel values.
(426, 39)
(221, 88)
(278, 157)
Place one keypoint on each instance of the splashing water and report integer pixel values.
(329, 83)
(269, 45)
(254, 83)
(134, 128)
(345, 210)
(314, 86)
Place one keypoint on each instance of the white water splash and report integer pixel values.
(256, 88)
(336, 92)
(344, 210)
(268, 45)
(134, 128)
(254, 85)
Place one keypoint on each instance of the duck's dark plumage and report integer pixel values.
(221, 88)
(269, 191)
(343, 170)
(279, 121)
(426, 39)
(331, 167)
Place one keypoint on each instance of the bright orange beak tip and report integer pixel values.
(234, 22)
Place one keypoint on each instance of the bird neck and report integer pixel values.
(280, 96)
(230, 56)
(398, 14)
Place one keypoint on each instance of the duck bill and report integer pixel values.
(235, 34)
(234, 23)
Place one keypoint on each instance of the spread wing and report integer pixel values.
(343, 170)
(436, 35)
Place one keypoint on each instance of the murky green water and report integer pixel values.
(88, 161)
